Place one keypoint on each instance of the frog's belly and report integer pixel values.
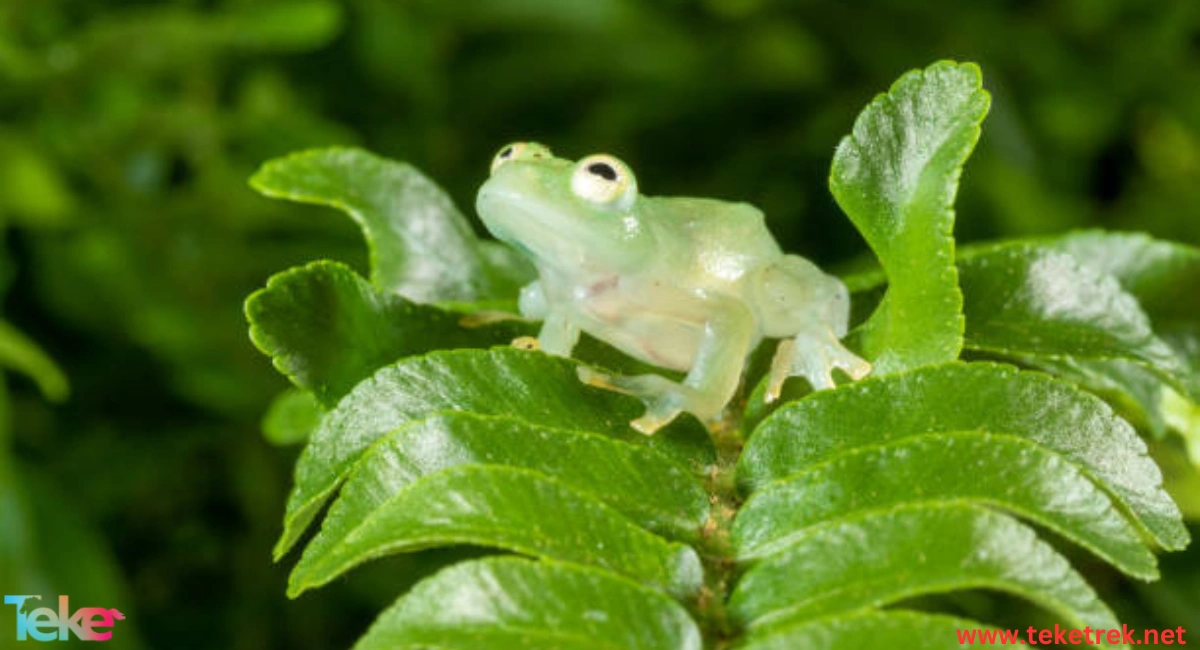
(666, 340)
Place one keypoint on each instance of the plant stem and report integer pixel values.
(716, 549)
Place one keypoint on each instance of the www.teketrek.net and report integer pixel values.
(1067, 636)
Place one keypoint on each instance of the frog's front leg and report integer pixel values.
(532, 302)
(557, 335)
(728, 335)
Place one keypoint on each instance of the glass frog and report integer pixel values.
(688, 284)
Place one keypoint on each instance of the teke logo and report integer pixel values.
(43, 624)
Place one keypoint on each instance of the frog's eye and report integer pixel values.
(520, 151)
(604, 180)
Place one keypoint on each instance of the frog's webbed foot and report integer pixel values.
(813, 356)
(664, 399)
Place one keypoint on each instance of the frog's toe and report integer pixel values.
(663, 406)
(644, 387)
(799, 357)
(852, 364)
(664, 399)
(781, 369)
(597, 379)
(814, 358)
(486, 317)
(818, 372)
(526, 343)
(654, 419)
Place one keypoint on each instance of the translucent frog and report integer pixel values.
(689, 284)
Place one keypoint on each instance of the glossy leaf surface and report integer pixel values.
(421, 246)
(1153, 272)
(912, 551)
(645, 486)
(987, 469)
(359, 329)
(506, 508)
(964, 397)
(1027, 301)
(515, 604)
(896, 176)
(532, 387)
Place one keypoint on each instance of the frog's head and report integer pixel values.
(561, 213)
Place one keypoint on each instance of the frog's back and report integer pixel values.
(727, 239)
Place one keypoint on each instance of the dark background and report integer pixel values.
(130, 237)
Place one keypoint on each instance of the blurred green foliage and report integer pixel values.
(128, 130)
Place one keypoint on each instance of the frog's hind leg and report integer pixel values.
(812, 356)
(727, 338)
(810, 310)
(664, 399)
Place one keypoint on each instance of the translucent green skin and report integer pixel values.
(683, 283)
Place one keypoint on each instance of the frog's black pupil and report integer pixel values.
(603, 170)
(506, 153)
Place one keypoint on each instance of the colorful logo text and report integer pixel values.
(44, 624)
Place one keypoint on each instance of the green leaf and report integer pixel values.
(296, 25)
(516, 604)
(977, 467)
(896, 176)
(421, 246)
(327, 329)
(645, 486)
(1130, 366)
(1028, 302)
(1136, 390)
(1153, 272)
(966, 397)
(33, 191)
(866, 629)
(532, 387)
(291, 418)
(170, 38)
(912, 551)
(1183, 415)
(19, 353)
(1069, 313)
(507, 508)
